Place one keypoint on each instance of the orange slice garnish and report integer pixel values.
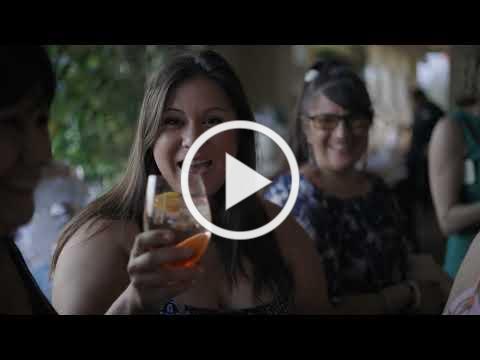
(170, 202)
(199, 244)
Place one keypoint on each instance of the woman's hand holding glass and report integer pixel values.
(164, 261)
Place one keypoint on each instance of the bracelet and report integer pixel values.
(417, 294)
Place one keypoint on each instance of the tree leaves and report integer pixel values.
(98, 99)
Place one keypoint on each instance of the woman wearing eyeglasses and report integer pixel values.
(351, 214)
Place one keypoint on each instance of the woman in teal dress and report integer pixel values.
(455, 180)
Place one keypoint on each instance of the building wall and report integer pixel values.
(465, 71)
(266, 72)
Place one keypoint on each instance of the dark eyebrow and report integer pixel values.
(326, 114)
(173, 109)
(206, 111)
(209, 109)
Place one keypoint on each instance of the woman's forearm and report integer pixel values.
(124, 305)
(460, 217)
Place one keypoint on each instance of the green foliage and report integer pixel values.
(94, 114)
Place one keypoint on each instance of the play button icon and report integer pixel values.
(241, 182)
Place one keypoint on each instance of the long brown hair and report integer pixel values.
(125, 200)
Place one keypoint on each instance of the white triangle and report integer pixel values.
(241, 182)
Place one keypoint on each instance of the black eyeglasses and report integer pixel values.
(359, 124)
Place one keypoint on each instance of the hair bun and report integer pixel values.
(327, 67)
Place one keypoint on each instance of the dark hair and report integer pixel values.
(467, 101)
(339, 83)
(22, 68)
(419, 95)
(125, 201)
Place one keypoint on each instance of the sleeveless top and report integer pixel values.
(278, 307)
(458, 244)
(40, 304)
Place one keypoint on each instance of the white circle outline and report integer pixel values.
(284, 213)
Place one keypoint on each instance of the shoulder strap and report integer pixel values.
(40, 304)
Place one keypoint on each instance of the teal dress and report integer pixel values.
(459, 244)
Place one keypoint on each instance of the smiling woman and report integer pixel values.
(28, 86)
(351, 215)
(211, 107)
(127, 267)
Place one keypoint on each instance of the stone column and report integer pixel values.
(266, 73)
(465, 71)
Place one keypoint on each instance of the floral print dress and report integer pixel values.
(361, 240)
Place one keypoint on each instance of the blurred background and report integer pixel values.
(100, 88)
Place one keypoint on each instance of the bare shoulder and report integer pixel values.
(446, 150)
(447, 134)
(115, 233)
(300, 253)
(91, 271)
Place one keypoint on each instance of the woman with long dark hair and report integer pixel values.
(106, 263)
